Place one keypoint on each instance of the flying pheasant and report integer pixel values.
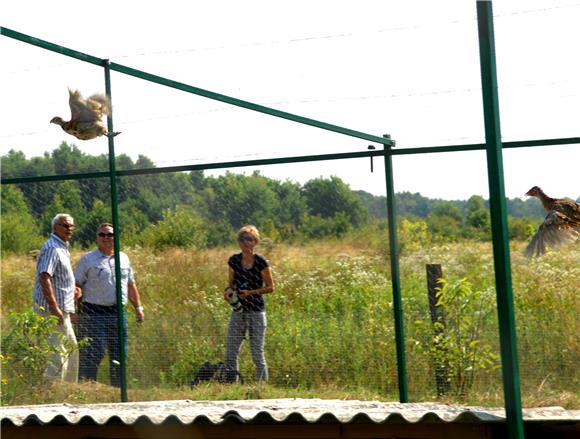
(86, 116)
(561, 225)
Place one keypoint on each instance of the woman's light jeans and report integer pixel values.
(254, 324)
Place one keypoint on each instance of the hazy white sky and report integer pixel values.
(409, 69)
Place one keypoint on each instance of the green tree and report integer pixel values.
(19, 231)
(100, 213)
(37, 195)
(291, 206)
(197, 180)
(66, 199)
(240, 200)
(328, 197)
(529, 208)
(13, 164)
(376, 205)
(316, 227)
(69, 159)
(445, 220)
(412, 204)
(132, 222)
(477, 219)
(182, 227)
(13, 201)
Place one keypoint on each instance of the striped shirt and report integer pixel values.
(95, 274)
(54, 259)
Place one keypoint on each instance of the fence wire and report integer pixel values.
(329, 321)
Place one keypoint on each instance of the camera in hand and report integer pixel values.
(234, 300)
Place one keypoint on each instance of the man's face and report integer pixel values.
(105, 239)
(64, 228)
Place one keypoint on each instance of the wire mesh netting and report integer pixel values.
(328, 328)
(328, 324)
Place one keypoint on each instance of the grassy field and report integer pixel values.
(330, 326)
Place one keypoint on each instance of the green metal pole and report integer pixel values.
(395, 277)
(115, 217)
(501, 252)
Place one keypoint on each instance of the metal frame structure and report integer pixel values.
(493, 147)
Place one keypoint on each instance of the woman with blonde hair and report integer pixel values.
(250, 277)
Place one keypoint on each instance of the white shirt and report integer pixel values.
(95, 274)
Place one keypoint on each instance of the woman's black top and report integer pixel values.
(249, 279)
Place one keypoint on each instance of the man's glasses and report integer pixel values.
(66, 226)
(245, 238)
(103, 235)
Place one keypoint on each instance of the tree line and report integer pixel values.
(190, 209)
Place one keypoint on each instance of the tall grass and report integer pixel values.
(330, 323)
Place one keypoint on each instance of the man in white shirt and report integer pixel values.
(95, 275)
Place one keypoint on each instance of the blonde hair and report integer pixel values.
(250, 230)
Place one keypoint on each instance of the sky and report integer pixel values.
(408, 69)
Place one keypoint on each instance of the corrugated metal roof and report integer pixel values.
(292, 410)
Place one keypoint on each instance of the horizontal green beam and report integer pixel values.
(245, 104)
(50, 46)
(190, 89)
(297, 159)
(545, 142)
(482, 146)
(198, 167)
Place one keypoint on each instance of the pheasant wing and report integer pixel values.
(570, 209)
(556, 230)
(88, 110)
(76, 104)
(100, 104)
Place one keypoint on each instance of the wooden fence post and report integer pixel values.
(434, 274)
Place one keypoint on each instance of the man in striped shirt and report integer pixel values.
(54, 294)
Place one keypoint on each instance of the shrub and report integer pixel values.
(413, 235)
(456, 346)
(521, 229)
(182, 227)
(315, 227)
(26, 351)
